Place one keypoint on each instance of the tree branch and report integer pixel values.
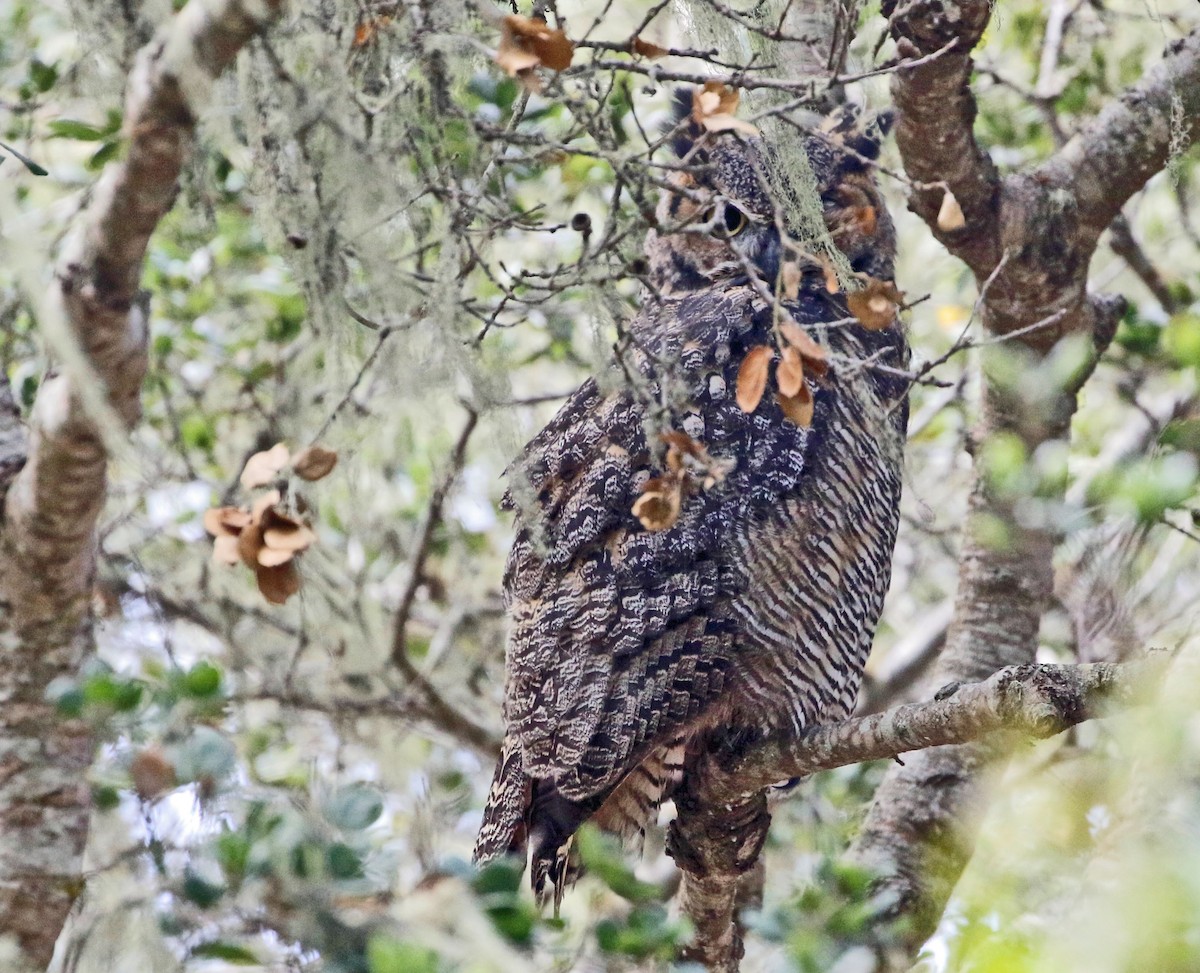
(1029, 240)
(47, 530)
(935, 124)
(1032, 700)
(436, 707)
(722, 818)
(1131, 139)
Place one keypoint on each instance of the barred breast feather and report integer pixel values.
(753, 611)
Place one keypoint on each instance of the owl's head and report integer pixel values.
(720, 216)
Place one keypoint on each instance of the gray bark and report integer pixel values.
(58, 477)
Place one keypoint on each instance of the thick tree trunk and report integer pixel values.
(56, 481)
(920, 829)
(43, 757)
(1029, 239)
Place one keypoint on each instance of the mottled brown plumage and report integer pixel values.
(630, 648)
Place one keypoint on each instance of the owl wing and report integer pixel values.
(622, 636)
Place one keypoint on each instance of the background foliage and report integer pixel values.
(382, 237)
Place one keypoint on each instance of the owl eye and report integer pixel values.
(735, 220)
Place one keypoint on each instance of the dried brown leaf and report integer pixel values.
(752, 377)
(658, 506)
(810, 351)
(789, 280)
(790, 373)
(684, 443)
(518, 63)
(271, 557)
(152, 773)
(722, 122)
(314, 462)
(279, 583)
(798, 408)
(526, 42)
(875, 305)
(950, 214)
(646, 49)
(225, 549)
(290, 536)
(262, 468)
(249, 543)
(225, 521)
(714, 98)
(864, 220)
(713, 107)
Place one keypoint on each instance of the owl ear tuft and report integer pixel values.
(862, 134)
(868, 139)
(686, 132)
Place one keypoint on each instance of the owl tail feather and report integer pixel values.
(532, 817)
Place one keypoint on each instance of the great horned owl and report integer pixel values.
(753, 611)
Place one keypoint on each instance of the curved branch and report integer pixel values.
(722, 818)
(1131, 139)
(935, 123)
(1030, 700)
(48, 518)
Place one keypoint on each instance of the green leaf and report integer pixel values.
(602, 856)
(1154, 487)
(201, 891)
(103, 155)
(289, 319)
(42, 75)
(206, 753)
(106, 690)
(1181, 339)
(128, 696)
(500, 876)
(230, 952)
(515, 922)
(105, 797)
(202, 680)
(647, 931)
(354, 807)
(344, 862)
(66, 695)
(1138, 336)
(1182, 434)
(233, 855)
(25, 160)
(197, 432)
(387, 955)
(69, 128)
(1003, 461)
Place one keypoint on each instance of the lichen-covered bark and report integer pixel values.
(716, 845)
(47, 530)
(1019, 701)
(723, 819)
